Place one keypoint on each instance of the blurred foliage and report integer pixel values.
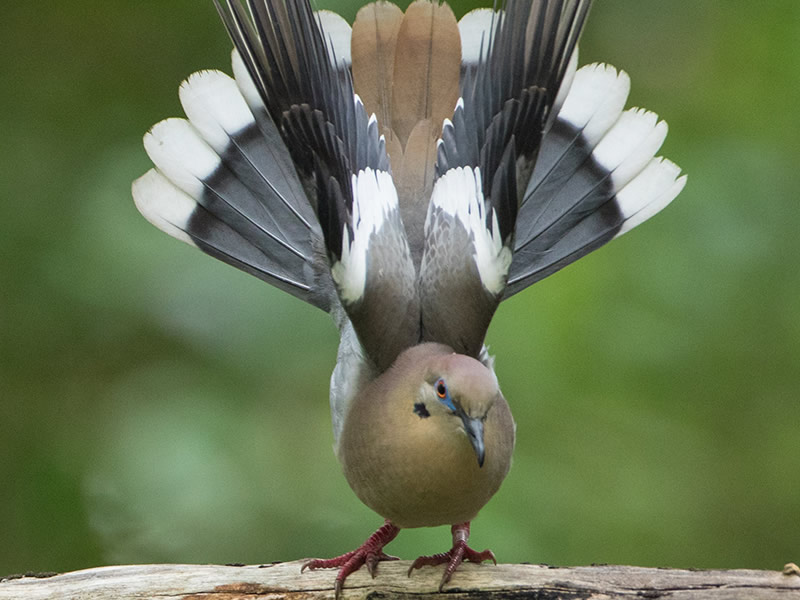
(160, 406)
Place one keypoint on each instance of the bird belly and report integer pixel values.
(415, 483)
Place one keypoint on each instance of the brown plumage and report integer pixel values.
(406, 69)
(427, 67)
(372, 47)
(418, 470)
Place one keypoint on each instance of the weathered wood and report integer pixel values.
(283, 580)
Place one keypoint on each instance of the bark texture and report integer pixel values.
(283, 580)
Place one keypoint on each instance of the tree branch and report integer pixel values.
(283, 580)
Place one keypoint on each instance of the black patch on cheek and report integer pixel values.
(419, 409)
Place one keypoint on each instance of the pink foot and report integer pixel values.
(370, 553)
(455, 556)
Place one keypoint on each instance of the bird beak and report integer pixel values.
(474, 429)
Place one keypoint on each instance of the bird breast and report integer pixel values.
(422, 472)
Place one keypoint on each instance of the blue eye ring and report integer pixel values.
(443, 394)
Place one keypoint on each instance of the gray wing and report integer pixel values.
(341, 160)
(485, 159)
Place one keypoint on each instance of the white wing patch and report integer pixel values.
(337, 33)
(566, 83)
(475, 28)
(374, 199)
(245, 83)
(459, 192)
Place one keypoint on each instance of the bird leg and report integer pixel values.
(455, 556)
(370, 553)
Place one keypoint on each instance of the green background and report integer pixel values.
(156, 405)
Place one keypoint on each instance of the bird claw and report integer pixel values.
(326, 563)
(455, 556)
(370, 553)
(372, 559)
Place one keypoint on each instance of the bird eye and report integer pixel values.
(440, 387)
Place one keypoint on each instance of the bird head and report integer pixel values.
(459, 391)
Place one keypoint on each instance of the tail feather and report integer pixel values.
(264, 172)
(374, 42)
(630, 144)
(594, 103)
(176, 213)
(224, 182)
(649, 192)
(652, 190)
(187, 160)
(427, 67)
(596, 177)
(477, 28)
(337, 33)
(216, 107)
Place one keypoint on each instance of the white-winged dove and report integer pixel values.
(407, 175)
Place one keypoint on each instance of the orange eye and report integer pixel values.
(441, 389)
